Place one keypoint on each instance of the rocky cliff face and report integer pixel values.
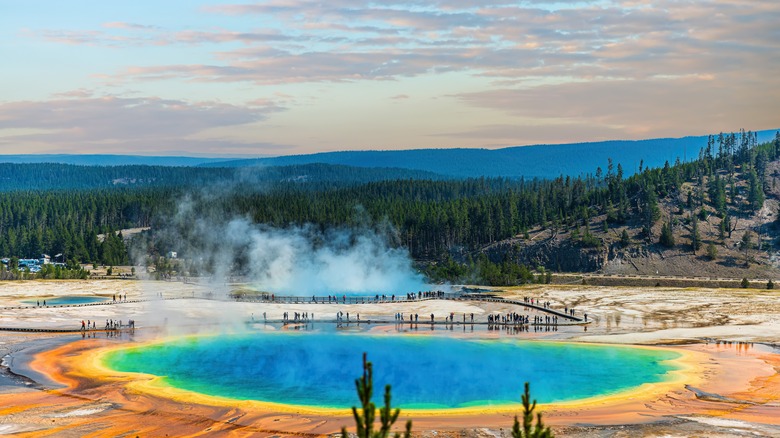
(558, 255)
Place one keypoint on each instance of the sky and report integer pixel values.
(280, 77)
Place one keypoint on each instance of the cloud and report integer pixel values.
(638, 108)
(125, 25)
(609, 67)
(544, 132)
(144, 124)
(341, 41)
(313, 41)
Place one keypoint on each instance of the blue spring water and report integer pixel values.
(66, 300)
(425, 372)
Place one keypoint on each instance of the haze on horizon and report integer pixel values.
(283, 77)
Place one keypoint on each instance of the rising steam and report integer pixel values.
(306, 261)
(297, 260)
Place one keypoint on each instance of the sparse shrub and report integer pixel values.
(712, 251)
(770, 284)
(667, 237)
(529, 430)
(745, 283)
(589, 240)
(625, 240)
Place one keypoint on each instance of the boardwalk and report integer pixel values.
(566, 319)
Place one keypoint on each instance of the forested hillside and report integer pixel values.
(450, 225)
(51, 176)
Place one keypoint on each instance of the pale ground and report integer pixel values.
(632, 315)
(618, 315)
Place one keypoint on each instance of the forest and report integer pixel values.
(443, 223)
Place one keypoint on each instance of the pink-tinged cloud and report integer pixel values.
(606, 68)
(548, 132)
(639, 108)
(117, 123)
(348, 41)
(125, 25)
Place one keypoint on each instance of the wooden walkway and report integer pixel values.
(568, 319)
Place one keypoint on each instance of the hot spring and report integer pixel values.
(426, 372)
(69, 300)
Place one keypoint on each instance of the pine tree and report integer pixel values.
(667, 236)
(364, 418)
(625, 240)
(695, 236)
(755, 192)
(776, 144)
(529, 430)
(650, 211)
(747, 245)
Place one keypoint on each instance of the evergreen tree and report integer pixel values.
(695, 236)
(625, 240)
(755, 192)
(776, 144)
(529, 430)
(364, 418)
(718, 194)
(650, 211)
(747, 245)
(667, 236)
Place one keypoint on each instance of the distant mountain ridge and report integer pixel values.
(536, 161)
(539, 161)
(111, 160)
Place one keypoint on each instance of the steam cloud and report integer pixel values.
(306, 261)
(297, 260)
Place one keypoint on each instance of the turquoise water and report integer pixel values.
(425, 371)
(67, 300)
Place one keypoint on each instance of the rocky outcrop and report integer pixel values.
(558, 255)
